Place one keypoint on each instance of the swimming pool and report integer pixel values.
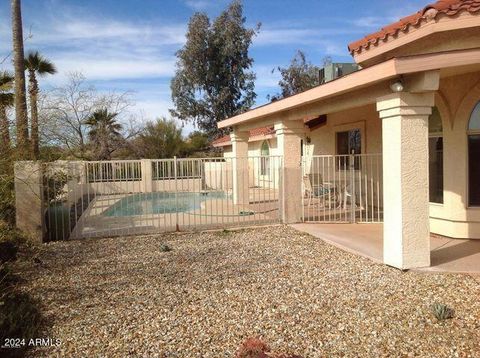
(160, 203)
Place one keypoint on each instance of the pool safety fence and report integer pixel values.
(130, 197)
(342, 188)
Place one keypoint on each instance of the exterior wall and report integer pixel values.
(456, 99)
(365, 118)
(254, 152)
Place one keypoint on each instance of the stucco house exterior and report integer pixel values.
(415, 103)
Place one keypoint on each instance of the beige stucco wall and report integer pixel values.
(456, 99)
(254, 152)
(364, 118)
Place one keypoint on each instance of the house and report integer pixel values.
(413, 110)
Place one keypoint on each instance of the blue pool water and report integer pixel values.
(160, 203)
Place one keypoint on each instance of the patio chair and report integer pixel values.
(325, 192)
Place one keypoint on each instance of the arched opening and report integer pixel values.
(473, 134)
(435, 149)
(265, 160)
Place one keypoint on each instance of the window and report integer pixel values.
(349, 142)
(264, 160)
(474, 157)
(435, 160)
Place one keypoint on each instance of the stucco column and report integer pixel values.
(240, 166)
(29, 198)
(289, 140)
(406, 230)
(146, 176)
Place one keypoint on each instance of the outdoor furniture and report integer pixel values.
(323, 191)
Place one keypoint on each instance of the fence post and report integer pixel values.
(147, 177)
(176, 191)
(29, 198)
(352, 178)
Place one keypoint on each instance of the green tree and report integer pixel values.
(160, 139)
(213, 80)
(21, 117)
(36, 64)
(299, 76)
(104, 133)
(6, 101)
(197, 144)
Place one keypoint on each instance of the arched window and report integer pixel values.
(435, 161)
(264, 160)
(474, 157)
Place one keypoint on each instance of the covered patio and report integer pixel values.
(446, 254)
(415, 106)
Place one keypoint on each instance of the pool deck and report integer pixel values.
(214, 213)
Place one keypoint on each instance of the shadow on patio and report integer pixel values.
(447, 255)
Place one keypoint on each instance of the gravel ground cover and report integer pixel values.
(130, 296)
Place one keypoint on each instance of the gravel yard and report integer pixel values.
(127, 297)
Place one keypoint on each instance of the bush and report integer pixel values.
(253, 348)
(442, 311)
(256, 348)
(19, 316)
(10, 241)
(7, 198)
(165, 248)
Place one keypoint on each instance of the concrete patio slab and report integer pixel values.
(447, 255)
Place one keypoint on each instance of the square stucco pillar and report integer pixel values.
(147, 176)
(289, 141)
(406, 229)
(239, 141)
(29, 199)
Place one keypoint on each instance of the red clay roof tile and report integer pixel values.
(447, 7)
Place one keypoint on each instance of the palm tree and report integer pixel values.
(35, 64)
(104, 133)
(21, 117)
(6, 100)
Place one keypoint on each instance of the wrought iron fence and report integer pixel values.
(342, 188)
(93, 199)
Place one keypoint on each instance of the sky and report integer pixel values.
(130, 45)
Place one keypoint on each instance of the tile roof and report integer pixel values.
(253, 133)
(446, 7)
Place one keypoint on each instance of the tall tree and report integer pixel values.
(104, 133)
(6, 101)
(35, 64)
(21, 117)
(299, 76)
(213, 80)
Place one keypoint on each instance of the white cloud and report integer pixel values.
(197, 4)
(265, 78)
(321, 39)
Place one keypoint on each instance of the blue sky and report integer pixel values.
(130, 44)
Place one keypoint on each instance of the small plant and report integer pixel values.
(256, 348)
(253, 348)
(165, 248)
(442, 311)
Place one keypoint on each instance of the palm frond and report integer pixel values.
(6, 81)
(34, 61)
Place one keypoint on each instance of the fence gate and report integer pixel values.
(342, 188)
(109, 198)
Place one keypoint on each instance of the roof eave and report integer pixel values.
(369, 76)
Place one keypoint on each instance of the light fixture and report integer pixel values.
(397, 86)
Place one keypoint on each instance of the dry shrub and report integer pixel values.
(256, 348)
